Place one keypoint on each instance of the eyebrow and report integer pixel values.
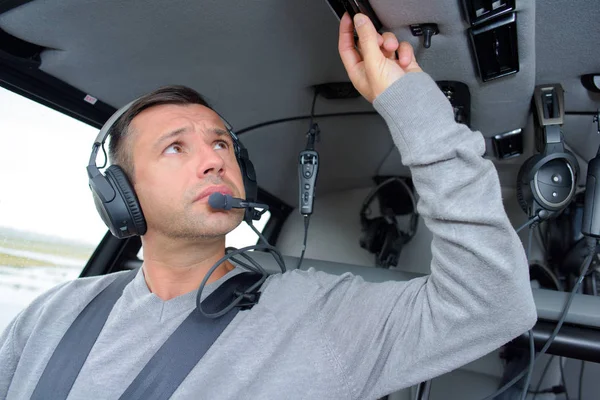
(184, 130)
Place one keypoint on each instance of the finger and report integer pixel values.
(412, 66)
(380, 40)
(368, 38)
(405, 55)
(350, 57)
(390, 45)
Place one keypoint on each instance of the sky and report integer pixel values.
(43, 181)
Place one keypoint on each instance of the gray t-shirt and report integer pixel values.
(319, 336)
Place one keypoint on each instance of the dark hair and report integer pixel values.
(119, 152)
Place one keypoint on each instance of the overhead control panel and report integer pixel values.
(493, 36)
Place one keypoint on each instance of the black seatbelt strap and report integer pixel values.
(72, 350)
(171, 364)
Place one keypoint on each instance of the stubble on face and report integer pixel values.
(167, 190)
(188, 222)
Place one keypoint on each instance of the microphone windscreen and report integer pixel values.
(219, 201)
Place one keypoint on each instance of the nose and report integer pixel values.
(210, 162)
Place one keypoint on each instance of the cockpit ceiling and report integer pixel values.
(257, 61)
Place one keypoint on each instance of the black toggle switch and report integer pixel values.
(425, 30)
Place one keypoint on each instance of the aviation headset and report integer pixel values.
(382, 235)
(546, 182)
(115, 198)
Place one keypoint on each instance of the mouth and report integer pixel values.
(203, 196)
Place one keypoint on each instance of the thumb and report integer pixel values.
(368, 38)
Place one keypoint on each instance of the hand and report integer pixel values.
(373, 67)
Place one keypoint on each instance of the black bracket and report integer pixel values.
(248, 299)
(257, 214)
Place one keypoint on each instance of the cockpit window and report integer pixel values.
(49, 226)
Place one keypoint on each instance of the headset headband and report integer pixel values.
(92, 168)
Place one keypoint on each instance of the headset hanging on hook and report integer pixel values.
(547, 181)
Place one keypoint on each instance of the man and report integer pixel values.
(312, 335)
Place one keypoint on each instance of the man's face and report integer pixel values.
(182, 154)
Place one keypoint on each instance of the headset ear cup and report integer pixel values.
(524, 196)
(365, 236)
(572, 160)
(368, 239)
(125, 190)
(392, 242)
(520, 199)
(376, 234)
(414, 223)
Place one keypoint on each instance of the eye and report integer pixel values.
(221, 144)
(174, 148)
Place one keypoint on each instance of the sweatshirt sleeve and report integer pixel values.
(15, 336)
(8, 357)
(391, 335)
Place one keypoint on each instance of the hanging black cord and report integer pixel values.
(254, 268)
(539, 385)
(230, 253)
(312, 135)
(301, 117)
(529, 222)
(562, 378)
(531, 364)
(542, 238)
(594, 293)
(580, 391)
(312, 109)
(306, 222)
(531, 342)
(321, 116)
(313, 128)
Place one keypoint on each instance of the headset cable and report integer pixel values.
(586, 265)
(308, 170)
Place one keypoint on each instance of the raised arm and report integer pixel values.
(477, 298)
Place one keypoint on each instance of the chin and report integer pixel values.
(223, 222)
(198, 223)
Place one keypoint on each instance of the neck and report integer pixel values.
(173, 267)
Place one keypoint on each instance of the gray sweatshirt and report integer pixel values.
(319, 336)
